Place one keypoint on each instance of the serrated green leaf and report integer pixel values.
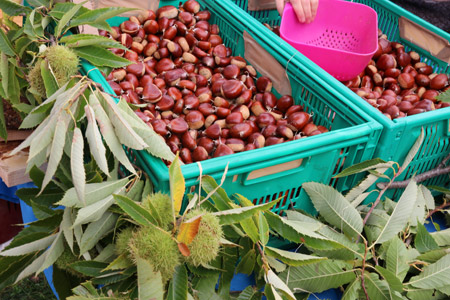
(42, 140)
(31, 268)
(50, 83)
(123, 129)
(397, 258)
(95, 141)
(106, 254)
(414, 149)
(236, 215)
(135, 211)
(275, 264)
(334, 208)
(29, 247)
(66, 227)
(378, 217)
(11, 267)
(3, 131)
(121, 262)
(77, 165)
(13, 86)
(178, 289)
(377, 289)
(148, 188)
(434, 275)
(220, 197)
(401, 214)
(96, 230)
(53, 253)
(364, 166)
(98, 15)
(93, 212)
(423, 240)
(271, 293)
(99, 56)
(38, 3)
(11, 8)
(136, 191)
(247, 263)
(444, 97)
(56, 150)
(149, 282)
(156, 143)
(66, 19)
(263, 228)
(421, 294)
(83, 40)
(23, 107)
(433, 256)
(275, 281)
(320, 276)
(107, 130)
(292, 258)
(439, 189)
(300, 232)
(93, 192)
(41, 211)
(248, 294)
(393, 281)
(89, 268)
(427, 197)
(442, 237)
(4, 73)
(5, 45)
(249, 227)
(352, 290)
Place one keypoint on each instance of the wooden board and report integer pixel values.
(12, 169)
(17, 135)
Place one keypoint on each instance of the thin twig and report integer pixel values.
(377, 201)
(375, 258)
(441, 169)
(437, 209)
(363, 284)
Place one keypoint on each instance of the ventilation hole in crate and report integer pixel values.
(235, 178)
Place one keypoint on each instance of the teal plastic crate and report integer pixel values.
(278, 171)
(398, 135)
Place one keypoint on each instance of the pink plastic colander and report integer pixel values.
(341, 40)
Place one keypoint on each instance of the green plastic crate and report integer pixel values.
(398, 135)
(353, 137)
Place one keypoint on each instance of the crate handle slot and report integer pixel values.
(257, 5)
(266, 64)
(268, 172)
(418, 35)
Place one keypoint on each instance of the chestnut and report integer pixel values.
(298, 120)
(222, 150)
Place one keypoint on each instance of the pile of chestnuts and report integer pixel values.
(203, 100)
(398, 83)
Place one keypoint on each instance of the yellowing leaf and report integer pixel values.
(188, 230)
(184, 249)
(177, 184)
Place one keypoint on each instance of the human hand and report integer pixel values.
(305, 9)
